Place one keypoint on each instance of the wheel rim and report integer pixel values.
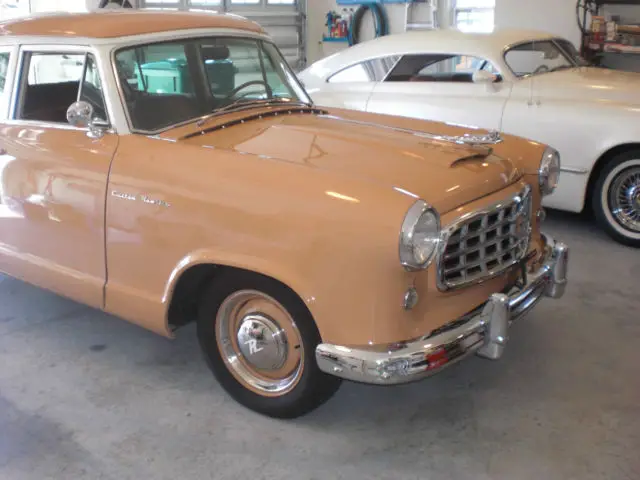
(259, 343)
(624, 199)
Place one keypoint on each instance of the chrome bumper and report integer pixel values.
(483, 331)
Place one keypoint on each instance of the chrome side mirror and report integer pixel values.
(80, 114)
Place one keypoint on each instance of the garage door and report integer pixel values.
(284, 20)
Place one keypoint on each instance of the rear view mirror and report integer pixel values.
(215, 52)
(484, 77)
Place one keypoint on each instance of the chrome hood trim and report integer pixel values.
(256, 116)
(468, 139)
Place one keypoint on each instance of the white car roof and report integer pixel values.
(484, 45)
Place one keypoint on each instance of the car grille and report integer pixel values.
(486, 243)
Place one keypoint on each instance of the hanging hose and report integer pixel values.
(379, 20)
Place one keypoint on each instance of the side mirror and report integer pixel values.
(80, 115)
(484, 77)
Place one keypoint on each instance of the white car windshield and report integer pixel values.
(168, 83)
(538, 57)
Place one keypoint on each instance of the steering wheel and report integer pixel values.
(541, 69)
(235, 91)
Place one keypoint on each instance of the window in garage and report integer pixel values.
(282, 19)
(474, 15)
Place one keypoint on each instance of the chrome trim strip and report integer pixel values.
(490, 138)
(259, 116)
(579, 171)
(523, 195)
(483, 331)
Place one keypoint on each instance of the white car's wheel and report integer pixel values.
(259, 340)
(616, 198)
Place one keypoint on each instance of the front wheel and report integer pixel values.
(259, 340)
(616, 198)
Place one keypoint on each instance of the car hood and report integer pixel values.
(591, 83)
(443, 173)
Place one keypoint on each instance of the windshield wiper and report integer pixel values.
(242, 104)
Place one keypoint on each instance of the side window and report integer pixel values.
(52, 84)
(4, 67)
(490, 68)
(438, 68)
(374, 70)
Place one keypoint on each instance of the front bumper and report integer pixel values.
(483, 331)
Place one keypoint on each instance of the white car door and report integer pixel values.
(352, 86)
(450, 88)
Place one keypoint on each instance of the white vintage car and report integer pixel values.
(524, 83)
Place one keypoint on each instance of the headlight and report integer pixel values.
(549, 172)
(419, 237)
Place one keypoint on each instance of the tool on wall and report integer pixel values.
(337, 26)
(380, 21)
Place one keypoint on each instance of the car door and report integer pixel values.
(53, 176)
(443, 88)
(352, 86)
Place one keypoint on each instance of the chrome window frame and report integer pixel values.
(186, 37)
(511, 46)
(524, 194)
(21, 78)
(7, 93)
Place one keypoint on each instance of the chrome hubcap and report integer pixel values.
(259, 343)
(262, 343)
(624, 198)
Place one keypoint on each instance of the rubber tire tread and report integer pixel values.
(314, 387)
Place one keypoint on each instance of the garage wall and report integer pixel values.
(553, 16)
(317, 10)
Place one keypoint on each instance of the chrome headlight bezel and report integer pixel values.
(420, 214)
(549, 171)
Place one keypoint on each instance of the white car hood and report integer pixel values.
(589, 83)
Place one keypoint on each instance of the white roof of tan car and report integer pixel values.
(434, 41)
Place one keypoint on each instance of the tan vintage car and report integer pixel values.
(169, 168)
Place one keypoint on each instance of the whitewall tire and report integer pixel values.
(616, 198)
(259, 339)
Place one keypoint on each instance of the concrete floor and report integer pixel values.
(86, 396)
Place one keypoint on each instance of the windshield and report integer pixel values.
(538, 57)
(172, 82)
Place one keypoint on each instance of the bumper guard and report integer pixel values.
(483, 331)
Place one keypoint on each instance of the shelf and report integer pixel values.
(335, 39)
(617, 2)
(616, 49)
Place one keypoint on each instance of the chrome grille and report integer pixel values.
(486, 243)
